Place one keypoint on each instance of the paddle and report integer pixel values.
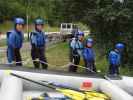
(65, 90)
(71, 93)
(107, 77)
(49, 85)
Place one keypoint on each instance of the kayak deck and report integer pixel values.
(59, 72)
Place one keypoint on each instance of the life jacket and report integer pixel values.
(88, 54)
(114, 58)
(77, 47)
(14, 39)
(37, 38)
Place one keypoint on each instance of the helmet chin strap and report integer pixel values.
(117, 50)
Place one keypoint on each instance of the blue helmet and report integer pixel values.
(119, 46)
(80, 33)
(19, 21)
(39, 21)
(89, 40)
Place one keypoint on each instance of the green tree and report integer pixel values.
(110, 21)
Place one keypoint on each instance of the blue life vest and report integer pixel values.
(77, 47)
(10, 53)
(114, 58)
(38, 38)
(15, 39)
(76, 44)
(88, 54)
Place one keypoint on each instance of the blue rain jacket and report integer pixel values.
(114, 58)
(38, 38)
(15, 39)
(88, 54)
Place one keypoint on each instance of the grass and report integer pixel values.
(102, 64)
(58, 55)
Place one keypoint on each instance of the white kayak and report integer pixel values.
(14, 88)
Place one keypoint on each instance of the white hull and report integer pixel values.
(13, 88)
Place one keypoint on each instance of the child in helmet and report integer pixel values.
(38, 40)
(89, 56)
(76, 46)
(15, 41)
(115, 59)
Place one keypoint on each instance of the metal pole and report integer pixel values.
(27, 27)
(27, 19)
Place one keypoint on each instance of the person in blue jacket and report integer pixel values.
(76, 46)
(115, 59)
(89, 56)
(38, 40)
(15, 41)
(10, 53)
(73, 35)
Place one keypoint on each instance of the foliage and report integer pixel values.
(111, 21)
